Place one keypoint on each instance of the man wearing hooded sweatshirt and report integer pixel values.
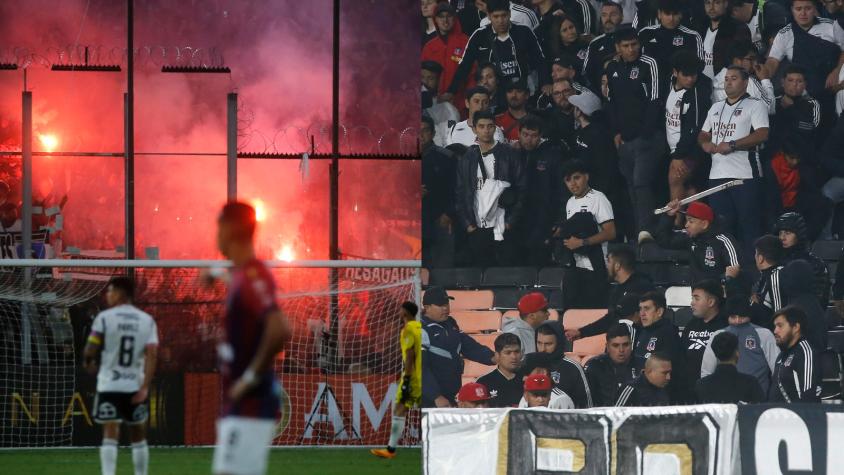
(798, 291)
(712, 254)
(659, 334)
(793, 233)
(566, 373)
(533, 311)
(757, 347)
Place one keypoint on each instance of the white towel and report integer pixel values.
(488, 210)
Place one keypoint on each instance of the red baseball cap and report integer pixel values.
(473, 392)
(700, 210)
(537, 382)
(532, 302)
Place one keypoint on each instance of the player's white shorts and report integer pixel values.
(243, 445)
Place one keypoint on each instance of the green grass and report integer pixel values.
(189, 461)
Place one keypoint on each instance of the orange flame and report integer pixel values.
(49, 141)
(260, 210)
(285, 254)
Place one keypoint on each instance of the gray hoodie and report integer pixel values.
(758, 353)
(523, 330)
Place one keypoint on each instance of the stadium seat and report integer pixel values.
(487, 339)
(507, 297)
(832, 318)
(827, 250)
(592, 345)
(471, 299)
(651, 252)
(475, 370)
(457, 277)
(682, 316)
(835, 339)
(551, 277)
(831, 376)
(555, 298)
(509, 277)
(576, 318)
(426, 276)
(678, 296)
(478, 321)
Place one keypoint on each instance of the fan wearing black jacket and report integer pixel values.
(688, 100)
(621, 270)
(488, 160)
(663, 40)
(718, 31)
(659, 334)
(796, 375)
(707, 299)
(545, 194)
(635, 119)
(649, 389)
(768, 296)
(712, 254)
(726, 385)
(513, 48)
(438, 171)
(566, 373)
(794, 235)
(616, 368)
(602, 47)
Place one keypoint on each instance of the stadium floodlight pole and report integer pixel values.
(129, 163)
(26, 225)
(334, 190)
(231, 146)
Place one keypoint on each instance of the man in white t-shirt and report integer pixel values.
(732, 133)
(477, 99)
(122, 350)
(816, 44)
(589, 225)
(759, 85)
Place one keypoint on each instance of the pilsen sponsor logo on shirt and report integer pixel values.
(672, 117)
(508, 68)
(724, 131)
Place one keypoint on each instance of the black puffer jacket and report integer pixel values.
(796, 280)
(795, 223)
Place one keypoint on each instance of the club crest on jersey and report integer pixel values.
(555, 376)
(634, 73)
(750, 343)
(788, 360)
(709, 257)
(737, 112)
(679, 103)
(582, 54)
(678, 41)
(540, 165)
(652, 344)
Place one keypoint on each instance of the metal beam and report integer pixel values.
(231, 146)
(26, 146)
(129, 163)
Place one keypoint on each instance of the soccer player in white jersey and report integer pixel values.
(122, 350)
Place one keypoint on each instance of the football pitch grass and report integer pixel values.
(190, 461)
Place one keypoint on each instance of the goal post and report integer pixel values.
(339, 372)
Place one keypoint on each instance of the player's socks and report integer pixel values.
(140, 457)
(108, 456)
(395, 433)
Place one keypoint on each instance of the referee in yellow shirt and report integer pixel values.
(409, 394)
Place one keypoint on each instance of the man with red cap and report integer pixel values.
(533, 311)
(540, 392)
(712, 253)
(473, 395)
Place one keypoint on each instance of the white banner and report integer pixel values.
(682, 440)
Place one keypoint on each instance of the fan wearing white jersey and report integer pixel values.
(122, 350)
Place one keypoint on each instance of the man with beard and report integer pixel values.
(545, 193)
(602, 48)
(718, 30)
(621, 270)
(505, 388)
(517, 97)
(566, 373)
(609, 372)
(767, 296)
(796, 375)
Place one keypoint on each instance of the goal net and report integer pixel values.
(339, 373)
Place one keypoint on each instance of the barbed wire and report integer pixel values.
(154, 56)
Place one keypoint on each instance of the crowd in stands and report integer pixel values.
(552, 131)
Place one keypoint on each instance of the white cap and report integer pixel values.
(586, 101)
